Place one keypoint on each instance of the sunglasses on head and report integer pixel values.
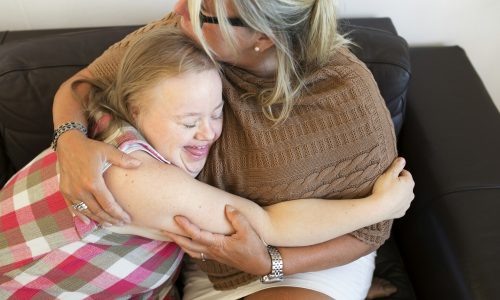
(214, 20)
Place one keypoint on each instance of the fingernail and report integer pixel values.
(106, 224)
(229, 208)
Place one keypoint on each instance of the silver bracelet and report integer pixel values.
(276, 274)
(66, 127)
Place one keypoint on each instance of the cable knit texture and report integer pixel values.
(338, 139)
(336, 142)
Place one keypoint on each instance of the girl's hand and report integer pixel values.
(243, 250)
(394, 190)
(81, 180)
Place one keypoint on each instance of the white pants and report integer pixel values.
(348, 282)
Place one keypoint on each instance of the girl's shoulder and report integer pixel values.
(128, 139)
(124, 135)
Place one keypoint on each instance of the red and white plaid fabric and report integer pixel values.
(47, 253)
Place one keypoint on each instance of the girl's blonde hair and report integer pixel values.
(304, 33)
(160, 54)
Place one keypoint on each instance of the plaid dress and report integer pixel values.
(47, 253)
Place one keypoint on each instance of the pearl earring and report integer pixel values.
(257, 49)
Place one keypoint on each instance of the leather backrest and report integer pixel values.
(387, 56)
(32, 70)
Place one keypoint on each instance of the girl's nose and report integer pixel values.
(205, 132)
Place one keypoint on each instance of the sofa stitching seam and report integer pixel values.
(27, 69)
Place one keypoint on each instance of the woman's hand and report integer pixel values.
(394, 190)
(243, 249)
(81, 161)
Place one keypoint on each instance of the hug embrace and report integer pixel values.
(243, 133)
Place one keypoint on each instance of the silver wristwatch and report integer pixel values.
(276, 274)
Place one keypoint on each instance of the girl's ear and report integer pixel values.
(134, 112)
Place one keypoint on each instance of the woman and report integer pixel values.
(43, 240)
(304, 118)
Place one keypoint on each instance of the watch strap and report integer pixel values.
(276, 274)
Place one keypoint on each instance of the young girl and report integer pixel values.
(165, 109)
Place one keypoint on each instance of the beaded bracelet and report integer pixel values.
(66, 127)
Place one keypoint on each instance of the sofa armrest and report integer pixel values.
(3, 35)
(450, 238)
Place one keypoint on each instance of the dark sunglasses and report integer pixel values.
(215, 20)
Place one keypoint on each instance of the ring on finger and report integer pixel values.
(80, 206)
(203, 258)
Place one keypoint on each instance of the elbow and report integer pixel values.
(372, 248)
(369, 248)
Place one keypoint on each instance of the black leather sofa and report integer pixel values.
(446, 247)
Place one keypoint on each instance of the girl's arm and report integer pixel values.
(155, 192)
(81, 159)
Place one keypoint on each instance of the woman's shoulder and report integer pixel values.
(344, 81)
(344, 68)
(169, 19)
(345, 95)
(105, 66)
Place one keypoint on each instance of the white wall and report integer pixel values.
(471, 24)
(43, 14)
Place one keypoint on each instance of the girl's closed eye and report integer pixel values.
(217, 116)
(188, 122)
(189, 125)
(218, 112)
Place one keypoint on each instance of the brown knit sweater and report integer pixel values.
(337, 140)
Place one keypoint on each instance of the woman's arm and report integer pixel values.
(66, 108)
(81, 159)
(155, 192)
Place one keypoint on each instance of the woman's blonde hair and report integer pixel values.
(159, 54)
(304, 33)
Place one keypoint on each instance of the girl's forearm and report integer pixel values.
(154, 193)
(312, 221)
